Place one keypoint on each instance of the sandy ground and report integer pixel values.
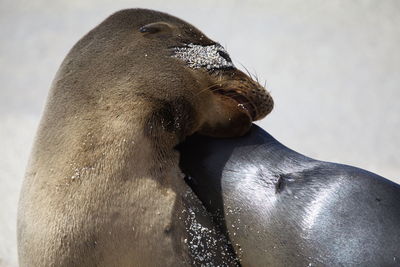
(331, 66)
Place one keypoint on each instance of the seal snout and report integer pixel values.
(249, 95)
(231, 84)
(262, 100)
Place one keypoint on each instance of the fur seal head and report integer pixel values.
(189, 70)
(190, 79)
(230, 100)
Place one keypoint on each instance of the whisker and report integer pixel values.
(247, 71)
(205, 89)
(217, 86)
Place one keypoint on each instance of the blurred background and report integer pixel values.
(333, 69)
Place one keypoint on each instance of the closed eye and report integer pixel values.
(224, 55)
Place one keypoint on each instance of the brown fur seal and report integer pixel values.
(103, 186)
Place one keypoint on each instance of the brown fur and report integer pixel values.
(103, 187)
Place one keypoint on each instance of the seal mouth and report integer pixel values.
(242, 101)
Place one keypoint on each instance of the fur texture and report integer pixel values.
(103, 186)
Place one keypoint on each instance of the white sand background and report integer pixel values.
(333, 68)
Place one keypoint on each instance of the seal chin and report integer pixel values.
(235, 109)
(231, 118)
(248, 95)
(238, 125)
(243, 103)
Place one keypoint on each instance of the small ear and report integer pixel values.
(156, 27)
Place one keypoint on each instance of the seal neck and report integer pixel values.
(117, 145)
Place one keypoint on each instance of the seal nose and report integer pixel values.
(262, 101)
(257, 95)
(249, 94)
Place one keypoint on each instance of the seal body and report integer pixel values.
(103, 186)
(281, 208)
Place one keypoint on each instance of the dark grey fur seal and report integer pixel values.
(281, 208)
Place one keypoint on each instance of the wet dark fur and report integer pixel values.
(281, 208)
